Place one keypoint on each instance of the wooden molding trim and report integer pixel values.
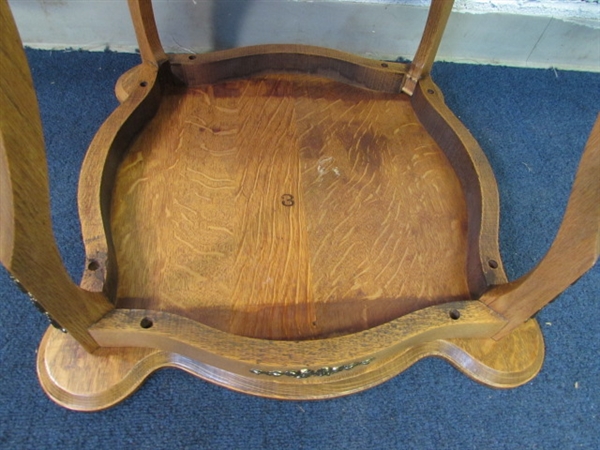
(251, 61)
(478, 182)
(109, 376)
(98, 174)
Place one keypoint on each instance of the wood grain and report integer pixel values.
(239, 354)
(281, 220)
(142, 16)
(377, 227)
(27, 246)
(574, 251)
(439, 12)
(246, 62)
(98, 173)
(484, 263)
(99, 381)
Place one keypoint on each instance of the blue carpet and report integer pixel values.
(532, 124)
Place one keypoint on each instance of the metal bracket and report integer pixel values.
(37, 304)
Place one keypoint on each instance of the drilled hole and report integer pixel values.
(430, 91)
(192, 57)
(493, 263)
(384, 64)
(144, 84)
(146, 323)
(454, 314)
(93, 265)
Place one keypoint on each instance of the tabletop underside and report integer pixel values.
(287, 207)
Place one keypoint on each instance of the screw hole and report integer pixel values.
(384, 64)
(430, 91)
(454, 314)
(146, 323)
(192, 57)
(93, 265)
(493, 263)
(144, 84)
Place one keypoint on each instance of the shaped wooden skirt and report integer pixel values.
(286, 221)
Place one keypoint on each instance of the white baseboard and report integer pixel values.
(377, 30)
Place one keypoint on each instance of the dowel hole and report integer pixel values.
(93, 265)
(146, 323)
(493, 263)
(144, 84)
(384, 65)
(454, 314)
(430, 91)
(192, 57)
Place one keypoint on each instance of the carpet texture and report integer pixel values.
(532, 125)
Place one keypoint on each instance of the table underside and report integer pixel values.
(287, 207)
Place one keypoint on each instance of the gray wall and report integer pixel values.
(534, 33)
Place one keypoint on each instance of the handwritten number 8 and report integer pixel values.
(287, 200)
